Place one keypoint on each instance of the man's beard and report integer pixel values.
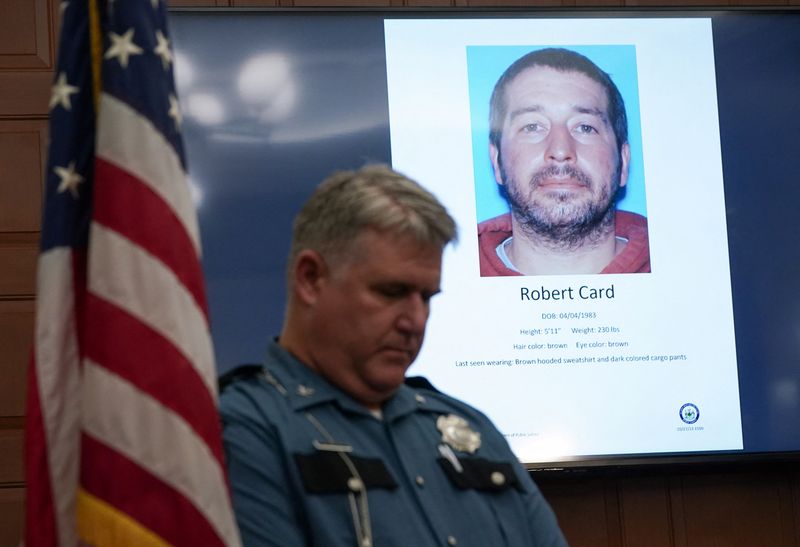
(565, 221)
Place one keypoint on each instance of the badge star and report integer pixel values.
(122, 47)
(69, 179)
(162, 49)
(175, 111)
(61, 91)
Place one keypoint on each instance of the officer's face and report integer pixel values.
(370, 313)
(558, 156)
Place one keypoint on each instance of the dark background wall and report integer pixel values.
(698, 507)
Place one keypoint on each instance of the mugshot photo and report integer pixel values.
(558, 160)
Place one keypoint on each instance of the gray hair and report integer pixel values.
(349, 202)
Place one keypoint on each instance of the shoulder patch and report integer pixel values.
(248, 370)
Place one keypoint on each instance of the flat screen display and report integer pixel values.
(690, 348)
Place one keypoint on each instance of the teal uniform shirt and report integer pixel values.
(308, 465)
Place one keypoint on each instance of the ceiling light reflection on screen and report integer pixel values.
(184, 72)
(786, 393)
(266, 86)
(196, 192)
(205, 108)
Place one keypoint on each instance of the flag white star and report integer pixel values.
(69, 179)
(61, 91)
(175, 111)
(162, 49)
(122, 47)
(154, 3)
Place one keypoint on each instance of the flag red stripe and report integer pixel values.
(124, 204)
(40, 518)
(121, 483)
(141, 357)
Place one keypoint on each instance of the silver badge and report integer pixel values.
(457, 433)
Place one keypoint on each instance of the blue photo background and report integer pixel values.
(485, 65)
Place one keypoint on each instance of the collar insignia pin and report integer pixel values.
(305, 391)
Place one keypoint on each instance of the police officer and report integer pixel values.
(327, 444)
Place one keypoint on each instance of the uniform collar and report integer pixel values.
(304, 389)
(408, 400)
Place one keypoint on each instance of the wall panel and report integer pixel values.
(24, 94)
(645, 513)
(587, 511)
(16, 336)
(733, 510)
(794, 483)
(24, 34)
(18, 253)
(11, 456)
(22, 154)
(11, 515)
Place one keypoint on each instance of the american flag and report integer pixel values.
(123, 441)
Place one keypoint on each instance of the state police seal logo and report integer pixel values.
(689, 413)
(457, 434)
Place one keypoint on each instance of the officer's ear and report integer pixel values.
(309, 275)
